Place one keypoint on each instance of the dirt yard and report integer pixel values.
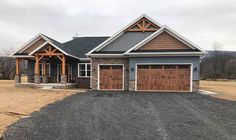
(16, 103)
(226, 89)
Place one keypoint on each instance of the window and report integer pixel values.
(84, 70)
(48, 67)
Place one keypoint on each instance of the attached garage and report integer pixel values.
(111, 77)
(163, 77)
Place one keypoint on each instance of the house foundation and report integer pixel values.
(63, 79)
(37, 79)
(17, 78)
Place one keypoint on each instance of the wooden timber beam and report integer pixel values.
(44, 68)
(60, 58)
(17, 66)
(143, 25)
(63, 65)
(18, 62)
(37, 64)
(141, 30)
(50, 54)
(40, 58)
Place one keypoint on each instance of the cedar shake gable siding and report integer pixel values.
(34, 46)
(164, 41)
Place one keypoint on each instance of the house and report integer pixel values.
(143, 56)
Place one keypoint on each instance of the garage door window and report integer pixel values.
(183, 67)
(143, 67)
(170, 67)
(156, 67)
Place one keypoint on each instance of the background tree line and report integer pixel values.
(218, 64)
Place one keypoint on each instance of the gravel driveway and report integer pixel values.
(128, 116)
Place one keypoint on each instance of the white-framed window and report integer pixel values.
(84, 70)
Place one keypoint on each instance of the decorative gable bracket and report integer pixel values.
(143, 25)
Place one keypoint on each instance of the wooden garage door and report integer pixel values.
(163, 77)
(111, 77)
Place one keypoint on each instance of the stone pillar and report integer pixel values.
(17, 78)
(36, 79)
(195, 85)
(131, 85)
(45, 79)
(63, 79)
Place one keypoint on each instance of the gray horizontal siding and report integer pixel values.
(126, 41)
(181, 59)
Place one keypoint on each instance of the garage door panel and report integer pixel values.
(111, 77)
(163, 77)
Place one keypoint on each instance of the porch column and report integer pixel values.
(17, 75)
(63, 76)
(45, 77)
(36, 76)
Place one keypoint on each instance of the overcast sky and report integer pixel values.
(201, 21)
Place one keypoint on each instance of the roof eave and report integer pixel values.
(166, 54)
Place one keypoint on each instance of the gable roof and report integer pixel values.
(37, 37)
(172, 33)
(75, 48)
(122, 31)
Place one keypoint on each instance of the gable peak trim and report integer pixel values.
(143, 25)
(122, 31)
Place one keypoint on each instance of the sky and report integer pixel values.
(204, 22)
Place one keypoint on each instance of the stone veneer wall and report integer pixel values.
(131, 85)
(83, 82)
(96, 61)
(195, 85)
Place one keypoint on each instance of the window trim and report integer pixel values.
(86, 70)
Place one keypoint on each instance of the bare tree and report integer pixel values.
(218, 64)
(7, 65)
(231, 69)
(215, 60)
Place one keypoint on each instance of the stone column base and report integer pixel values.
(17, 78)
(36, 79)
(195, 85)
(45, 79)
(63, 79)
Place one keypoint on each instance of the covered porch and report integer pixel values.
(47, 64)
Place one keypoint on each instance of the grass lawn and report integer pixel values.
(226, 89)
(16, 103)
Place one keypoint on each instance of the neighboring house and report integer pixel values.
(143, 56)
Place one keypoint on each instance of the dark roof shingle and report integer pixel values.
(82, 45)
